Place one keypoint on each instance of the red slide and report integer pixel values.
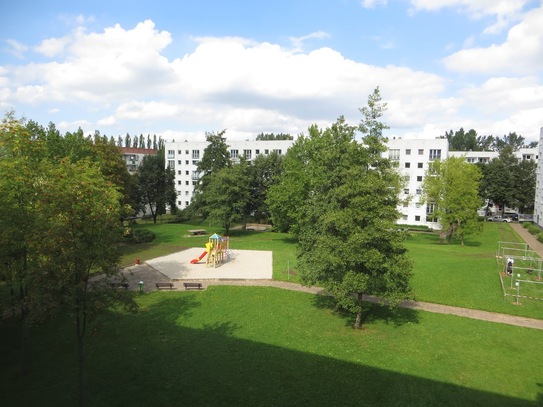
(194, 261)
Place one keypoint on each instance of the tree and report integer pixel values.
(226, 196)
(78, 222)
(498, 181)
(512, 140)
(216, 157)
(263, 173)
(468, 141)
(347, 213)
(288, 194)
(155, 184)
(451, 189)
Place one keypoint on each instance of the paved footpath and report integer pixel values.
(150, 275)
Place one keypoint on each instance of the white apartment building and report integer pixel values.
(183, 157)
(134, 156)
(486, 156)
(411, 155)
(538, 204)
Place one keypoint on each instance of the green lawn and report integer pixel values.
(256, 346)
(464, 276)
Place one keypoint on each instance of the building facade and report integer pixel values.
(183, 158)
(538, 204)
(134, 156)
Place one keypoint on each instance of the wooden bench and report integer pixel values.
(192, 286)
(160, 286)
(196, 232)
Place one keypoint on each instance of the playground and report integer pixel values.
(216, 262)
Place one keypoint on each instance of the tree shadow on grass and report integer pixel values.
(154, 358)
(370, 312)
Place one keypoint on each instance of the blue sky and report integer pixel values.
(181, 68)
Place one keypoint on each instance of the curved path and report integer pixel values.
(149, 276)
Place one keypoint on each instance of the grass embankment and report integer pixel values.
(247, 346)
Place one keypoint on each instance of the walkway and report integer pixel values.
(149, 276)
(535, 244)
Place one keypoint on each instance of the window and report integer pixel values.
(266, 151)
(408, 151)
(405, 204)
(186, 183)
(187, 152)
(406, 191)
(186, 193)
(406, 178)
(421, 151)
(179, 152)
(419, 191)
(195, 175)
(394, 154)
(417, 218)
(186, 203)
(178, 182)
(419, 165)
(257, 151)
(435, 155)
(419, 178)
(179, 162)
(277, 151)
(187, 173)
(417, 205)
(171, 164)
(234, 153)
(171, 153)
(195, 154)
(430, 209)
(187, 162)
(407, 165)
(179, 172)
(404, 217)
(247, 154)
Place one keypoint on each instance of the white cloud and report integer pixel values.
(298, 42)
(505, 11)
(16, 48)
(522, 51)
(52, 46)
(373, 3)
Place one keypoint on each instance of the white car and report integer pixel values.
(498, 219)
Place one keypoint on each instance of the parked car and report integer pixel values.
(498, 219)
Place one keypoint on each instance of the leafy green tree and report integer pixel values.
(468, 141)
(263, 173)
(78, 221)
(451, 187)
(289, 193)
(497, 184)
(524, 182)
(216, 157)
(155, 184)
(512, 140)
(226, 196)
(347, 212)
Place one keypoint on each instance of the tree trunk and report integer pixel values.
(81, 323)
(358, 320)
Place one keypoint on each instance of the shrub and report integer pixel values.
(533, 229)
(143, 236)
(540, 237)
(525, 225)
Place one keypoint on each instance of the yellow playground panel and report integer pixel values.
(217, 250)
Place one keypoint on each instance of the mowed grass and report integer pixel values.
(257, 346)
(450, 274)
